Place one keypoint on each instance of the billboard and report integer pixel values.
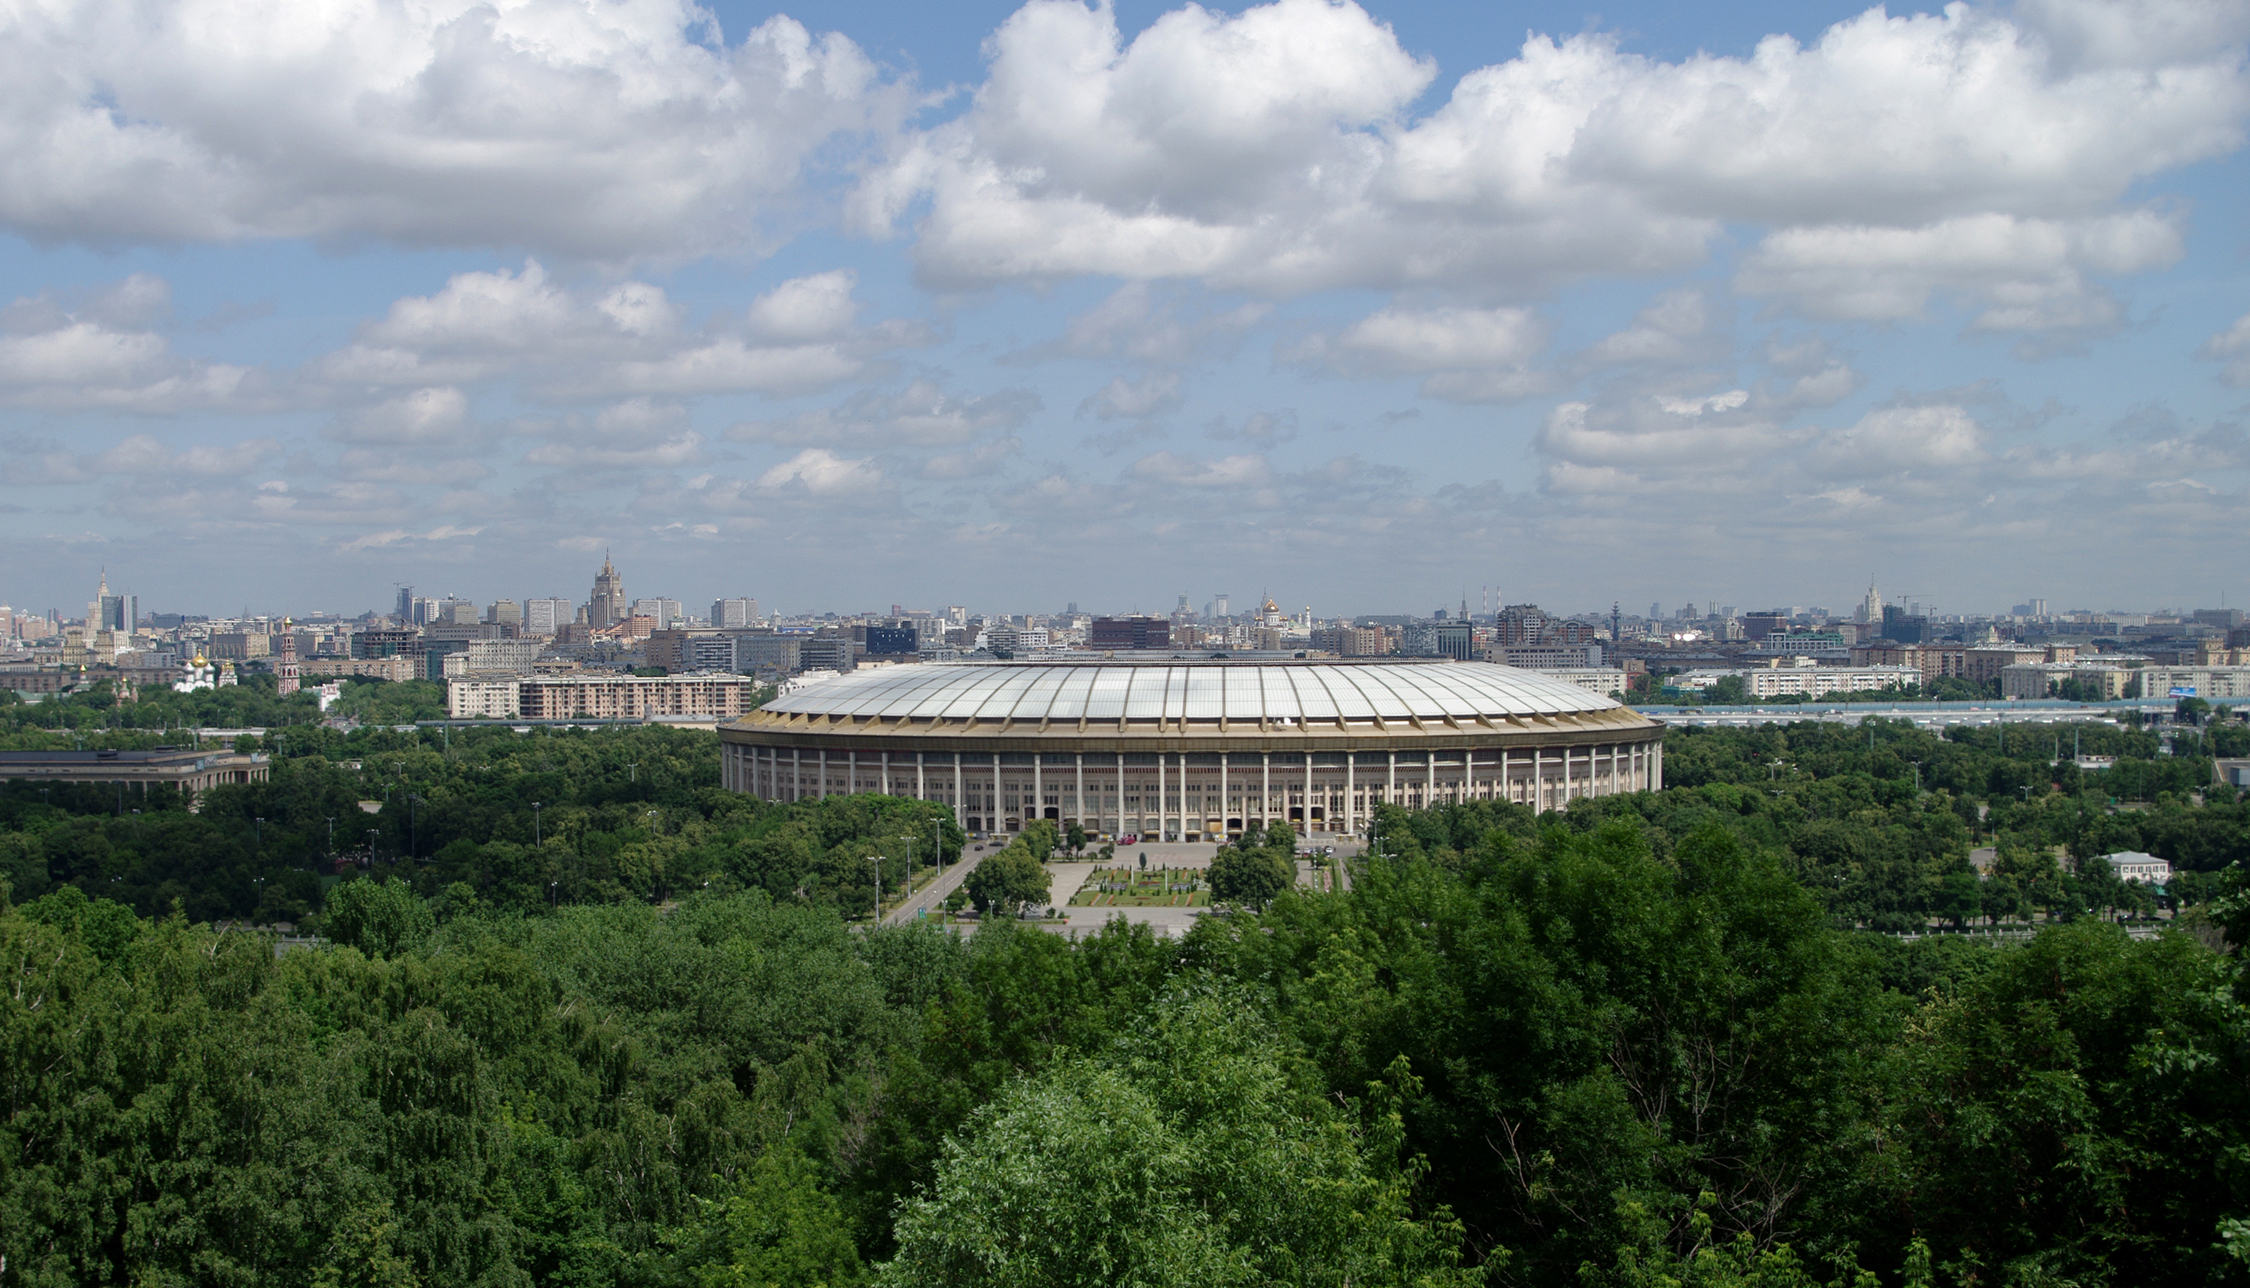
(2183, 691)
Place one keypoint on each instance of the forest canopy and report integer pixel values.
(582, 1017)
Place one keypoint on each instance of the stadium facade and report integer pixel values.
(1192, 750)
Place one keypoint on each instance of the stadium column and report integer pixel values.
(1308, 794)
(1079, 802)
(796, 773)
(1160, 796)
(992, 812)
(1265, 789)
(958, 805)
(1538, 779)
(851, 773)
(1222, 796)
(1120, 829)
(886, 767)
(1390, 786)
(1429, 793)
(921, 779)
(1351, 806)
(1038, 789)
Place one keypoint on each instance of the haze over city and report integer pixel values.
(1371, 307)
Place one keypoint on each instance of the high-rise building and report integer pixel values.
(606, 607)
(734, 613)
(1871, 608)
(664, 612)
(543, 616)
(505, 612)
(1219, 604)
(405, 605)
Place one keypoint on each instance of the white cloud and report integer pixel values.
(638, 433)
(99, 356)
(1268, 151)
(1397, 341)
(433, 417)
(1245, 471)
(2231, 347)
(1144, 325)
(1903, 438)
(921, 415)
(1466, 355)
(1121, 399)
(629, 339)
(144, 454)
(2026, 274)
(604, 130)
(821, 473)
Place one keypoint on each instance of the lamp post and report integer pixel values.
(535, 841)
(877, 860)
(371, 846)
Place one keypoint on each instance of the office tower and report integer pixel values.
(734, 613)
(405, 605)
(542, 616)
(665, 612)
(607, 605)
(505, 612)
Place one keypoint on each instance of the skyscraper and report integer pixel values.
(607, 606)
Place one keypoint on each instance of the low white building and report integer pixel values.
(2139, 868)
(1595, 679)
(1803, 680)
(2207, 682)
(494, 699)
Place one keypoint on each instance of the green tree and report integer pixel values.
(778, 1227)
(1250, 877)
(380, 918)
(1007, 882)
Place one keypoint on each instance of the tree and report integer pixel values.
(379, 918)
(778, 1228)
(1251, 877)
(1075, 835)
(1007, 881)
(1729, 690)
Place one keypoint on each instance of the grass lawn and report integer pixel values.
(1139, 888)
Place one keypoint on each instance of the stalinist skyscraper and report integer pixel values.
(608, 606)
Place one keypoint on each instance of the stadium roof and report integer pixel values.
(1280, 692)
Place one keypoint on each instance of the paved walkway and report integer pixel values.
(932, 895)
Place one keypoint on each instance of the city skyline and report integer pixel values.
(1384, 304)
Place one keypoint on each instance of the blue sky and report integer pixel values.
(1010, 305)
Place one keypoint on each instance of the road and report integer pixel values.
(933, 894)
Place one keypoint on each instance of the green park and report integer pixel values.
(556, 1008)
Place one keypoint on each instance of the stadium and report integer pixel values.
(1190, 750)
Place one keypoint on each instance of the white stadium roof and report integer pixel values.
(1283, 692)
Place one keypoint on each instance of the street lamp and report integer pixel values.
(877, 860)
(371, 846)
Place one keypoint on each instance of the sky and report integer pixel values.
(1373, 309)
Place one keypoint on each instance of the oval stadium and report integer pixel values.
(1189, 751)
